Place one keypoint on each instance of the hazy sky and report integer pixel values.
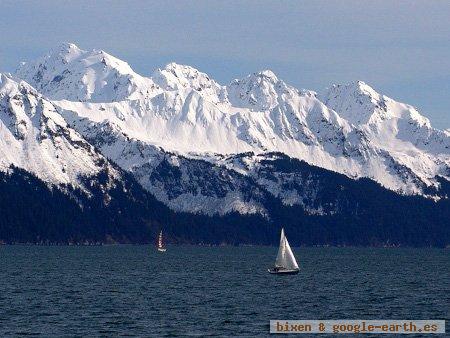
(401, 48)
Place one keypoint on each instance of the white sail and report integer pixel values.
(160, 244)
(285, 258)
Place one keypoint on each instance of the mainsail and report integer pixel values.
(285, 258)
(160, 244)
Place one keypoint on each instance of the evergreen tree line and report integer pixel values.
(33, 212)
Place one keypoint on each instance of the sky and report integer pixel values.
(400, 48)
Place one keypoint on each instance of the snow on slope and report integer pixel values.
(67, 72)
(185, 78)
(350, 129)
(181, 183)
(383, 117)
(395, 127)
(35, 137)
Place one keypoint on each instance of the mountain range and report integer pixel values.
(347, 166)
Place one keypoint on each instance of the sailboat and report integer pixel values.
(160, 245)
(285, 263)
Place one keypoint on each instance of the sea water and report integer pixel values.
(211, 291)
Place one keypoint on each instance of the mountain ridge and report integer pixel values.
(137, 121)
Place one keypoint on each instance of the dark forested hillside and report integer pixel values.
(32, 212)
(368, 214)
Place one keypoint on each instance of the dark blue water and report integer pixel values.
(217, 291)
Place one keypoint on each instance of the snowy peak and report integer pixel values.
(35, 137)
(65, 52)
(356, 102)
(258, 91)
(360, 104)
(10, 87)
(185, 78)
(69, 73)
(393, 126)
(364, 88)
(15, 98)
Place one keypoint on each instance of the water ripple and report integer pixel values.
(219, 291)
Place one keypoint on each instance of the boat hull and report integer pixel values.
(284, 272)
(161, 250)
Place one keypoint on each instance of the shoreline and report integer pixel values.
(447, 247)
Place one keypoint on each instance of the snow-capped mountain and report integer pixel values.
(36, 138)
(180, 115)
(55, 187)
(389, 122)
(69, 73)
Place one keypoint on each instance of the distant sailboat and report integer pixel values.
(285, 263)
(160, 244)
